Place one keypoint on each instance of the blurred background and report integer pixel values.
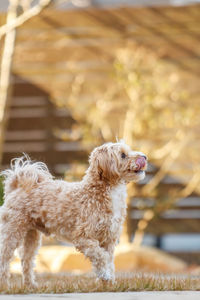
(76, 74)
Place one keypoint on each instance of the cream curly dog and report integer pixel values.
(89, 213)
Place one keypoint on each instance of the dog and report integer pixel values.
(89, 214)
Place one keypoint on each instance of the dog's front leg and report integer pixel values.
(110, 249)
(98, 256)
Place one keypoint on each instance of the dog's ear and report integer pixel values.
(105, 164)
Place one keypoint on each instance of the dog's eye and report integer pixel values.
(123, 155)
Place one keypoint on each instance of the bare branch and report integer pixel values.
(192, 184)
(165, 166)
(141, 226)
(16, 22)
(6, 63)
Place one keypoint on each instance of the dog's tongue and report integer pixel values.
(140, 163)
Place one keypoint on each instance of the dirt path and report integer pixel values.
(186, 295)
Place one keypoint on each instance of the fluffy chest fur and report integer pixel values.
(118, 196)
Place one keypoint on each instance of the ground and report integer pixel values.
(125, 282)
(117, 296)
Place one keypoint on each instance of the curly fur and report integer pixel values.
(89, 213)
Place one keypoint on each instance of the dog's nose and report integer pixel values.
(144, 156)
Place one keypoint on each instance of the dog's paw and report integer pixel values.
(106, 276)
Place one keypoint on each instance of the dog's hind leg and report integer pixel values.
(27, 253)
(11, 236)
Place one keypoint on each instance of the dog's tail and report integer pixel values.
(25, 174)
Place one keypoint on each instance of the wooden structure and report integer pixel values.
(181, 217)
(54, 47)
(33, 118)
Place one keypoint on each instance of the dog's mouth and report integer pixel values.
(139, 171)
(140, 165)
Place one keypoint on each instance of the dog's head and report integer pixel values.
(116, 161)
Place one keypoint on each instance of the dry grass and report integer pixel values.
(68, 283)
